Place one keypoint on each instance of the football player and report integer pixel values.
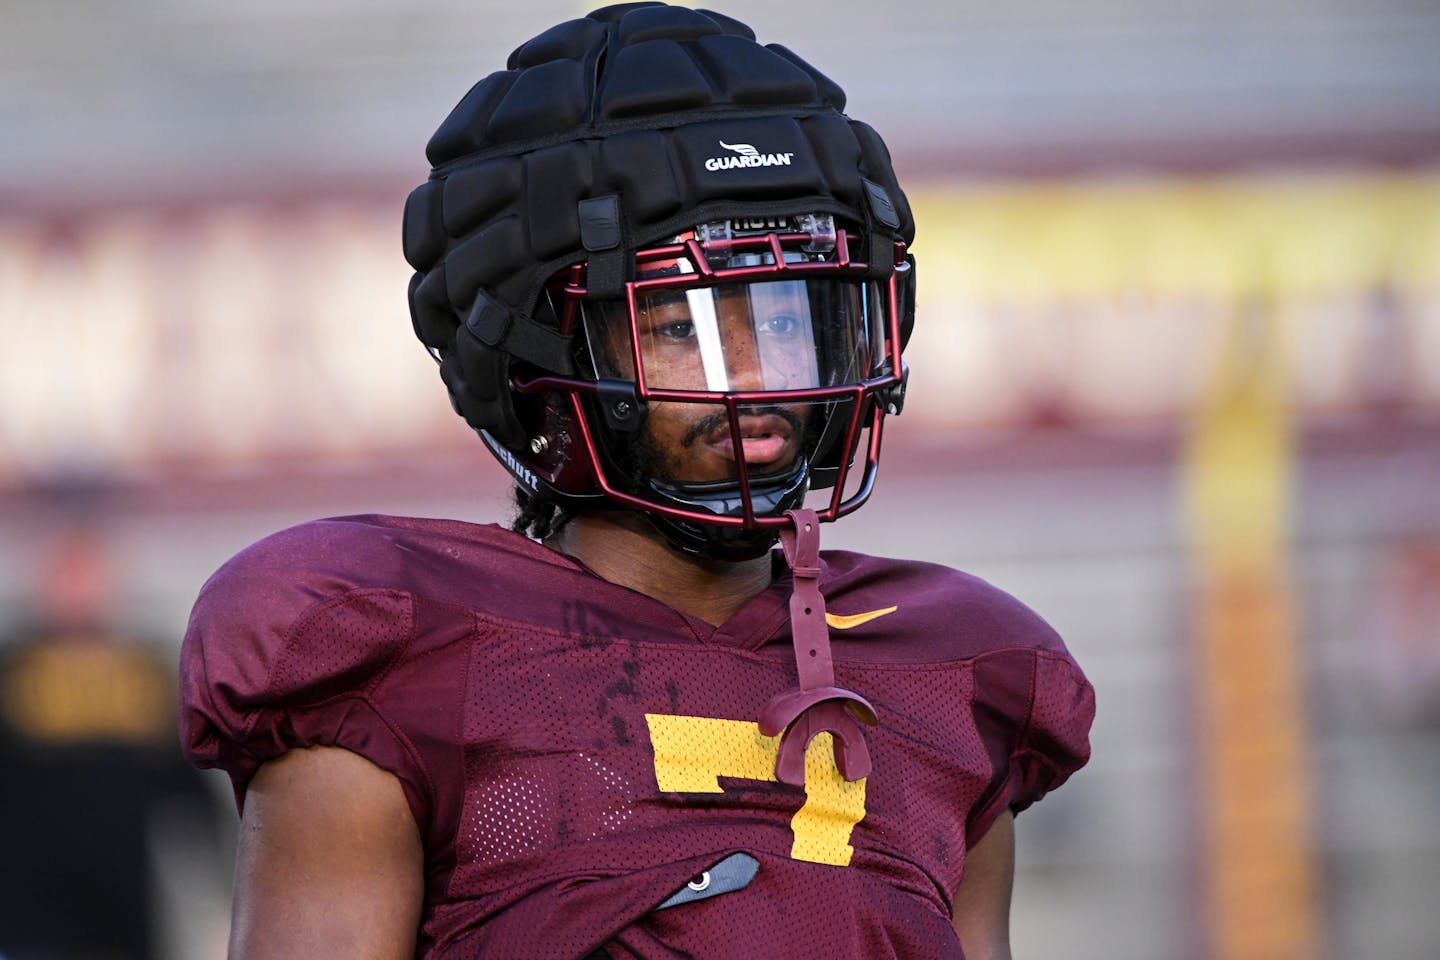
(668, 282)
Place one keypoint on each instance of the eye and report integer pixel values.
(675, 330)
(780, 325)
(666, 316)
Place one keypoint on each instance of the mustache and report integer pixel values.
(709, 423)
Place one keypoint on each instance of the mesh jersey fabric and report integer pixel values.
(574, 752)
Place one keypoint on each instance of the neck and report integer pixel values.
(623, 548)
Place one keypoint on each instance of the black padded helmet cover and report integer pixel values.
(605, 135)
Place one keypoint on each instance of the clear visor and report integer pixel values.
(736, 337)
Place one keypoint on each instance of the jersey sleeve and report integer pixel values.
(280, 655)
(1034, 709)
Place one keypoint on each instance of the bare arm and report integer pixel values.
(982, 904)
(329, 863)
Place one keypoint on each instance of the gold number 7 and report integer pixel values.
(692, 753)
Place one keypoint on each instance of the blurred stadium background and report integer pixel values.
(1176, 384)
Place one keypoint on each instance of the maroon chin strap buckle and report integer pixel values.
(818, 706)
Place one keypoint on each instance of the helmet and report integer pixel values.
(661, 270)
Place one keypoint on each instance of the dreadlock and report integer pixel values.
(537, 518)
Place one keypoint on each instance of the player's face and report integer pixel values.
(732, 338)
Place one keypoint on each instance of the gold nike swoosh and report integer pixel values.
(848, 621)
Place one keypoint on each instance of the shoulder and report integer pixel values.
(961, 615)
(359, 568)
(305, 637)
(326, 605)
(286, 573)
(1028, 699)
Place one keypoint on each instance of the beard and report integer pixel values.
(643, 458)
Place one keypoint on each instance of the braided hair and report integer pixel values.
(537, 518)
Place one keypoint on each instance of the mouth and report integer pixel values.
(764, 439)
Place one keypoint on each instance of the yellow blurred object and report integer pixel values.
(1110, 301)
(1258, 860)
(95, 690)
(1091, 238)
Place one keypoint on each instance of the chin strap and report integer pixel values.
(818, 706)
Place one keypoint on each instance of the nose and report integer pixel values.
(743, 368)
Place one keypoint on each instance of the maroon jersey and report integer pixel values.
(585, 764)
